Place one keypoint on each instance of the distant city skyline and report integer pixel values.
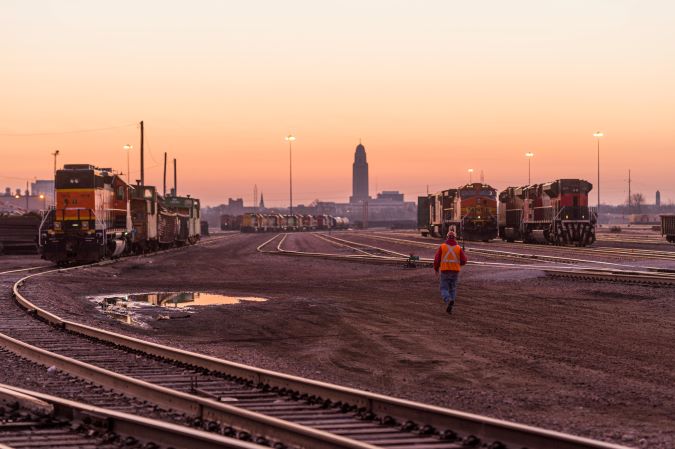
(434, 88)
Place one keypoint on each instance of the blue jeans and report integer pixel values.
(449, 285)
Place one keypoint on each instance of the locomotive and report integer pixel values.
(253, 222)
(471, 210)
(98, 215)
(554, 212)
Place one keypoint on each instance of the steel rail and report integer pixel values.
(487, 429)
(145, 430)
(613, 276)
(508, 254)
(657, 276)
(203, 408)
(350, 242)
(429, 262)
(611, 251)
(20, 270)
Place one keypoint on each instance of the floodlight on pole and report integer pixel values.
(529, 155)
(290, 139)
(128, 148)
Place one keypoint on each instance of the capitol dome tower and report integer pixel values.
(359, 176)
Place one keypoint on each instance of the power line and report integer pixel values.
(65, 132)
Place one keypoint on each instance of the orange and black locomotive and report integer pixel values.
(98, 215)
(471, 210)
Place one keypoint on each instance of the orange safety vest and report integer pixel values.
(450, 257)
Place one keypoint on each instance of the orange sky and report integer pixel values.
(432, 87)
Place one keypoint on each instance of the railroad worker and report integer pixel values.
(449, 259)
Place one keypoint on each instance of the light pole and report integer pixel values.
(128, 148)
(55, 154)
(470, 177)
(290, 139)
(529, 156)
(598, 135)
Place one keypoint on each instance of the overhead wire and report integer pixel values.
(66, 132)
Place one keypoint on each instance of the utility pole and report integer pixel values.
(142, 165)
(26, 196)
(164, 188)
(55, 154)
(175, 178)
(255, 198)
(630, 200)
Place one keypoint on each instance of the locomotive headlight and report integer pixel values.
(85, 224)
(57, 225)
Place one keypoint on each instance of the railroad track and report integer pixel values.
(652, 276)
(606, 251)
(37, 420)
(257, 405)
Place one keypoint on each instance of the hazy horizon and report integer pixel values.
(432, 88)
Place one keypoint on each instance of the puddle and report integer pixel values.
(188, 299)
(139, 308)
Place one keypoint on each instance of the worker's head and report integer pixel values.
(451, 234)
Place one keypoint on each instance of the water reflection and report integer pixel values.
(188, 299)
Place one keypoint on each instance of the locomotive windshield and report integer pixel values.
(75, 179)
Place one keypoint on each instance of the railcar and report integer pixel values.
(291, 223)
(91, 219)
(204, 228)
(668, 227)
(273, 222)
(555, 212)
(230, 222)
(144, 204)
(470, 210)
(188, 215)
(323, 222)
(251, 222)
(308, 223)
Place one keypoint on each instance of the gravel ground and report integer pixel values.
(592, 359)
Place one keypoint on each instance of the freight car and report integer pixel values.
(251, 222)
(19, 233)
(145, 212)
(668, 227)
(188, 214)
(554, 212)
(98, 215)
(230, 222)
(308, 223)
(471, 210)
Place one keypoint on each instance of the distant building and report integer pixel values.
(359, 176)
(658, 199)
(43, 187)
(390, 196)
(21, 202)
(262, 202)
